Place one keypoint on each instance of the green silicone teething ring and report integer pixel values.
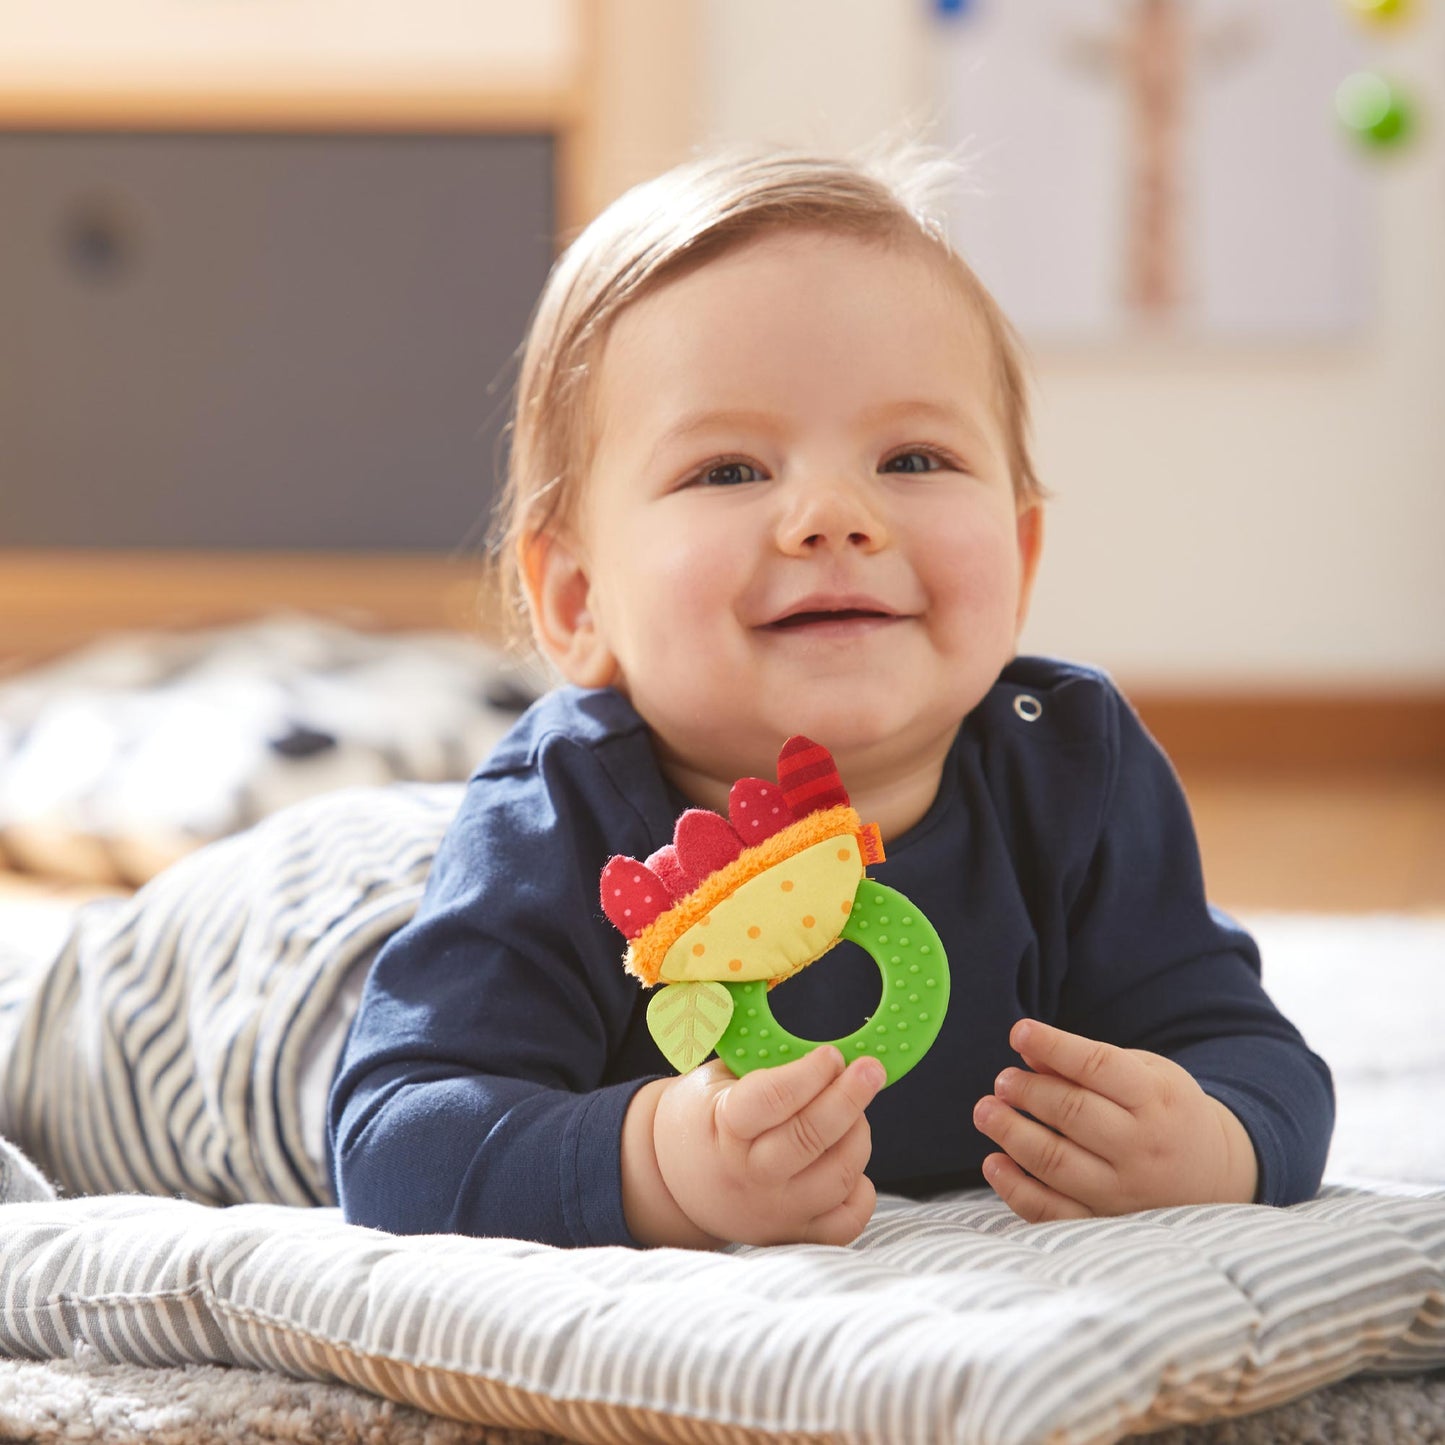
(906, 948)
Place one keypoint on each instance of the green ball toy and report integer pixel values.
(1373, 110)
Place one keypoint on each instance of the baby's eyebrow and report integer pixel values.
(755, 420)
(925, 410)
(739, 418)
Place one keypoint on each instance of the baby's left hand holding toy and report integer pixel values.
(1111, 1131)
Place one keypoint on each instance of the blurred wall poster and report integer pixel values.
(1162, 168)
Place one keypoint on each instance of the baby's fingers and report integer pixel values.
(1089, 1119)
(844, 1222)
(832, 1177)
(1027, 1197)
(1117, 1074)
(1054, 1161)
(785, 1151)
(765, 1098)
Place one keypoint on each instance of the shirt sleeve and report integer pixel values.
(1153, 966)
(471, 1094)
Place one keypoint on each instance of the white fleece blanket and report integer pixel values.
(122, 757)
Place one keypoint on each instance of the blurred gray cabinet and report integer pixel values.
(262, 341)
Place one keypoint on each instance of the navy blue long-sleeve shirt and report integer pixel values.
(499, 1042)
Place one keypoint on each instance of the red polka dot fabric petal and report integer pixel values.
(757, 809)
(632, 895)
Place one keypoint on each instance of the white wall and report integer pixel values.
(1223, 517)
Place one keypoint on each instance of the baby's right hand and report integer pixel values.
(775, 1157)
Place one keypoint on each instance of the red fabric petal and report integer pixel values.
(667, 867)
(757, 810)
(704, 843)
(809, 777)
(632, 894)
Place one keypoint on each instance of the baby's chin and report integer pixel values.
(873, 746)
(863, 739)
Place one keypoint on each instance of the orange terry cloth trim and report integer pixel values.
(647, 951)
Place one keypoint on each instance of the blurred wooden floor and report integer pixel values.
(1369, 842)
(1327, 843)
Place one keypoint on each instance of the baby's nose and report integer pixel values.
(832, 514)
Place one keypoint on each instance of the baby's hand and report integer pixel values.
(775, 1157)
(1112, 1130)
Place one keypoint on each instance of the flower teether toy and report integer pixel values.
(733, 906)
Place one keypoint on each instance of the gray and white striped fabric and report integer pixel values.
(950, 1321)
(20, 1180)
(164, 1048)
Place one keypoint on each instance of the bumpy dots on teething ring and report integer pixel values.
(732, 907)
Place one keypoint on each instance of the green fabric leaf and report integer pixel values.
(687, 1019)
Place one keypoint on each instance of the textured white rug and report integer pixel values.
(206, 1405)
(1368, 993)
(1409, 1411)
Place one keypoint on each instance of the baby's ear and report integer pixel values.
(559, 600)
(1031, 546)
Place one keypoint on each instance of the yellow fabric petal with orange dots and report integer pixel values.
(775, 923)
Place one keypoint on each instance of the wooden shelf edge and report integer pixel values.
(292, 102)
(55, 600)
(1380, 728)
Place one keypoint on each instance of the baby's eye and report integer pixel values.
(914, 461)
(729, 474)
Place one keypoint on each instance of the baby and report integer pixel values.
(770, 475)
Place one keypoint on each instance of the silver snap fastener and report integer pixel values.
(1030, 709)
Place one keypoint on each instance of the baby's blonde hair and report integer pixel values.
(682, 219)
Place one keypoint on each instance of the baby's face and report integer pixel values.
(799, 517)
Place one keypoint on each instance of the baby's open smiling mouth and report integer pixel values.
(844, 621)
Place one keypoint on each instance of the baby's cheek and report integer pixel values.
(975, 608)
(980, 581)
(684, 598)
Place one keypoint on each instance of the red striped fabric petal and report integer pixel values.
(809, 777)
